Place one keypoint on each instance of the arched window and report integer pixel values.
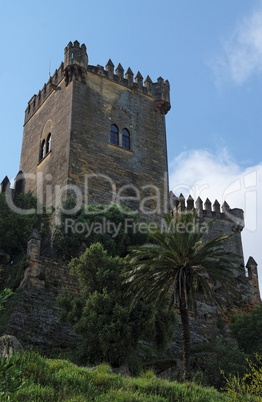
(48, 143)
(42, 150)
(114, 134)
(125, 138)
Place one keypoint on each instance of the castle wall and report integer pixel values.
(76, 109)
(98, 104)
(220, 220)
(232, 244)
(53, 116)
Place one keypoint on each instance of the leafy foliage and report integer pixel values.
(247, 329)
(101, 314)
(219, 360)
(180, 262)
(247, 388)
(4, 295)
(11, 378)
(112, 228)
(15, 228)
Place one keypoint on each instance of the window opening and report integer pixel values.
(114, 135)
(125, 138)
(42, 150)
(48, 143)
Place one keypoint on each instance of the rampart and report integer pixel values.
(76, 65)
(19, 184)
(207, 210)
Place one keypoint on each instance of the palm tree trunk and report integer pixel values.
(186, 337)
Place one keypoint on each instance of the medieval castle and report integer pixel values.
(100, 134)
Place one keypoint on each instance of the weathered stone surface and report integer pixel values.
(9, 345)
(4, 257)
(79, 117)
(35, 320)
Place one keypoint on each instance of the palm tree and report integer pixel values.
(181, 261)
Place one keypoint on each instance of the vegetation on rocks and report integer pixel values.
(116, 320)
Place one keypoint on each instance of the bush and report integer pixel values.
(217, 358)
(109, 327)
(247, 329)
(249, 387)
(16, 228)
(11, 378)
(106, 227)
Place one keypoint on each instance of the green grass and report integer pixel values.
(54, 380)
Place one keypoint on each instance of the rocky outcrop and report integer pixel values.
(9, 345)
(35, 320)
(35, 316)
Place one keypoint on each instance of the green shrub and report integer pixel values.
(217, 357)
(149, 375)
(248, 387)
(11, 378)
(108, 326)
(247, 330)
(122, 395)
(36, 393)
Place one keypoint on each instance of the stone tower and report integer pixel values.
(98, 133)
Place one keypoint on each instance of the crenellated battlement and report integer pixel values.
(75, 66)
(207, 210)
(159, 90)
(75, 54)
(52, 85)
(18, 185)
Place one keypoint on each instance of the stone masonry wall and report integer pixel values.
(76, 108)
(53, 116)
(96, 106)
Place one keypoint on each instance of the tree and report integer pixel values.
(15, 228)
(109, 329)
(247, 330)
(111, 226)
(178, 260)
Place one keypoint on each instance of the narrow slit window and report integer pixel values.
(42, 150)
(114, 135)
(125, 138)
(48, 143)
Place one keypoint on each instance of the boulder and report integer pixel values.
(9, 345)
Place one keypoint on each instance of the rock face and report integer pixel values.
(35, 316)
(35, 320)
(9, 345)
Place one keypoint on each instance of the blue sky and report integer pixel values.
(209, 50)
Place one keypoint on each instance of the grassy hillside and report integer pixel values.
(59, 380)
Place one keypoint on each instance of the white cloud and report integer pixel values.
(241, 56)
(218, 176)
